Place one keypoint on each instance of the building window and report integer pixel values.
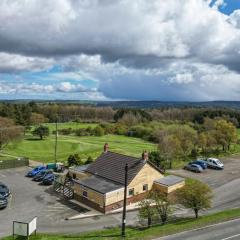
(145, 187)
(85, 194)
(131, 192)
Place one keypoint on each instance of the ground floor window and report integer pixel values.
(145, 187)
(131, 192)
(85, 194)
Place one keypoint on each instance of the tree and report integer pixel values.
(37, 118)
(169, 147)
(129, 119)
(226, 133)
(155, 157)
(41, 131)
(162, 205)
(195, 195)
(146, 211)
(74, 159)
(9, 131)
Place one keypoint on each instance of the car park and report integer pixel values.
(4, 190)
(201, 163)
(40, 176)
(194, 168)
(35, 171)
(215, 163)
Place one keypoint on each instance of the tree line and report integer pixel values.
(33, 113)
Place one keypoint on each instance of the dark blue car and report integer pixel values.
(40, 176)
(4, 190)
(201, 163)
(3, 202)
(35, 171)
(48, 179)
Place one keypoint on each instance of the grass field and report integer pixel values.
(149, 233)
(43, 150)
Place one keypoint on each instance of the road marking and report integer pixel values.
(231, 237)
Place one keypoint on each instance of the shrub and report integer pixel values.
(98, 131)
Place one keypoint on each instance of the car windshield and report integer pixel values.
(218, 162)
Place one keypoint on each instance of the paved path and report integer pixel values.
(223, 231)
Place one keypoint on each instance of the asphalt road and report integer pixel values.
(223, 231)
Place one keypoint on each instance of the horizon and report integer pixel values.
(154, 57)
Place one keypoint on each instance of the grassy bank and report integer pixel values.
(43, 150)
(153, 232)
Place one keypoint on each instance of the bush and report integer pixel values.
(83, 132)
(98, 131)
(120, 129)
(74, 159)
(89, 160)
(65, 131)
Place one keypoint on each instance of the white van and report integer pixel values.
(214, 163)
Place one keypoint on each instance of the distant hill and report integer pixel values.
(160, 104)
(137, 104)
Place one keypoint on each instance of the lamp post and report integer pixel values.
(56, 140)
(124, 201)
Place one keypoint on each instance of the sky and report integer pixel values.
(174, 50)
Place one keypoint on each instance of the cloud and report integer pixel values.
(172, 50)
(63, 87)
(219, 4)
(12, 63)
(234, 18)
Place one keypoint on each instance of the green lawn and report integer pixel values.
(43, 150)
(150, 233)
(72, 125)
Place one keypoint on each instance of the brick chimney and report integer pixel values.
(145, 155)
(105, 148)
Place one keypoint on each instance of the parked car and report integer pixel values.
(3, 202)
(40, 176)
(201, 163)
(4, 190)
(215, 163)
(35, 171)
(48, 179)
(194, 168)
